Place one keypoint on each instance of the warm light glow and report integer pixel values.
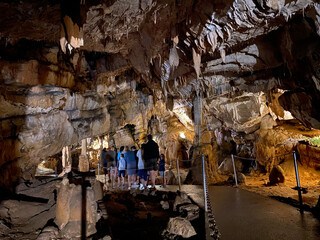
(97, 144)
(105, 143)
(182, 135)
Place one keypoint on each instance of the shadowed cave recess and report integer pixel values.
(210, 78)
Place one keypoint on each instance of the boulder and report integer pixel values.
(44, 189)
(69, 208)
(190, 211)
(276, 175)
(31, 212)
(181, 226)
(107, 237)
(4, 228)
(226, 166)
(180, 200)
(165, 205)
(25, 216)
(97, 187)
(49, 232)
(171, 178)
(267, 122)
(241, 178)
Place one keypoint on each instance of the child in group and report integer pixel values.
(162, 164)
(122, 169)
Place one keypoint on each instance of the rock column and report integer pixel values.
(83, 158)
(203, 144)
(197, 105)
(66, 159)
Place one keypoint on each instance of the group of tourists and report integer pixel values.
(139, 165)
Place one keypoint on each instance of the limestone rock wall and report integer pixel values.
(309, 155)
(80, 69)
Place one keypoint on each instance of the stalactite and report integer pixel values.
(197, 105)
(196, 61)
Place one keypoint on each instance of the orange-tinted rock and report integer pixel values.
(309, 155)
(277, 175)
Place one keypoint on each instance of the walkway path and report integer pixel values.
(245, 215)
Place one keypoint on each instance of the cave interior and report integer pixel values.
(232, 81)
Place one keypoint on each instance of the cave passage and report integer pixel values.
(232, 87)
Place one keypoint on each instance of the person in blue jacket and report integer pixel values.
(130, 158)
(161, 166)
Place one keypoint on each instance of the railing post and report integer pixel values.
(204, 184)
(178, 172)
(298, 180)
(234, 170)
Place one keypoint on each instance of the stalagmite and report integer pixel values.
(66, 161)
(196, 61)
(83, 158)
(64, 157)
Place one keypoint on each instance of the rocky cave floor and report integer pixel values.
(285, 192)
(282, 139)
(122, 213)
(137, 214)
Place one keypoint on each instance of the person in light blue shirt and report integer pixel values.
(121, 151)
(122, 165)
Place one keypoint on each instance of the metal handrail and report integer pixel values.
(299, 189)
(209, 218)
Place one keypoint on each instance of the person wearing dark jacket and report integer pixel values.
(162, 164)
(151, 156)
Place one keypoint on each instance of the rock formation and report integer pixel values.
(78, 69)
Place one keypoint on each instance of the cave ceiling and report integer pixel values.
(214, 48)
(92, 67)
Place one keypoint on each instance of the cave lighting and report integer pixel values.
(182, 135)
(97, 143)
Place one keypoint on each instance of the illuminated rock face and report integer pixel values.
(70, 71)
(68, 214)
